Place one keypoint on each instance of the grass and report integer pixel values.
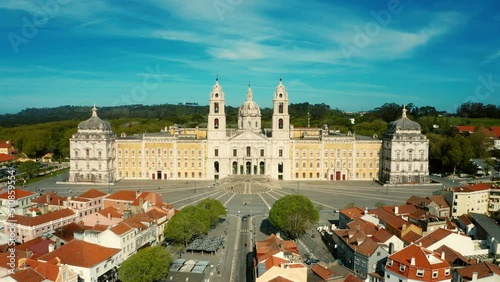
(47, 176)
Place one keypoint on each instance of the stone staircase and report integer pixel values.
(249, 184)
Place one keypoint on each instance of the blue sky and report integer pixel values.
(351, 55)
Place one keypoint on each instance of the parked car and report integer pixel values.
(310, 261)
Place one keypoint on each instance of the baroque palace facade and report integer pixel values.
(282, 152)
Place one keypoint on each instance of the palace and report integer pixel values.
(282, 152)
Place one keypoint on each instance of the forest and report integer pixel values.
(37, 131)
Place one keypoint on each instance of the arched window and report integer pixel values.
(99, 154)
(216, 167)
(280, 108)
(280, 123)
(76, 153)
(216, 123)
(216, 107)
(87, 152)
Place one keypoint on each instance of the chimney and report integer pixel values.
(396, 210)
(141, 202)
(47, 198)
(366, 210)
(442, 255)
(412, 261)
(474, 276)
(33, 213)
(58, 242)
(358, 228)
(51, 248)
(404, 227)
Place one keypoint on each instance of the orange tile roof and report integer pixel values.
(410, 237)
(154, 198)
(484, 269)
(49, 269)
(44, 218)
(382, 235)
(322, 272)
(423, 259)
(53, 199)
(19, 194)
(353, 213)
(78, 199)
(473, 188)
(66, 232)
(495, 130)
(124, 195)
(439, 200)
(273, 245)
(6, 157)
(275, 261)
(110, 210)
(81, 253)
(465, 219)
(120, 228)
(27, 274)
(418, 201)
(352, 278)
(92, 193)
(450, 255)
(466, 128)
(435, 236)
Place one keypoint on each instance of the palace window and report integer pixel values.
(235, 152)
(216, 152)
(280, 152)
(249, 150)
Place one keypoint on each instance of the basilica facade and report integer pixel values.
(282, 152)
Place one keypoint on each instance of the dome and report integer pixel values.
(95, 123)
(403, 124)
(249, 107)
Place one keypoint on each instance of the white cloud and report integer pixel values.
(492, 57)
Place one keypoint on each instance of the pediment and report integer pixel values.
(248, 135)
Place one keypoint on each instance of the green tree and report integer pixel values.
(379, 204)
(214, 208)
(293, 214)
(147, 265)
(30, 168)
(184, 226)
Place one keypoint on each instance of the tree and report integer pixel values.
(379, 204)
(214, 208)
(149, 264)
(187, 224)
(30, 168)
(293, 214)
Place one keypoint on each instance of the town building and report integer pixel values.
(416, 263)
(281, 152)
(405, 153)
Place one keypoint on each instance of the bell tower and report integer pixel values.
(216, 116)
(281, 118)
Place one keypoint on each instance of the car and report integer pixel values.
(310, 261)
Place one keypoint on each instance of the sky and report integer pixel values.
(351, 55)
